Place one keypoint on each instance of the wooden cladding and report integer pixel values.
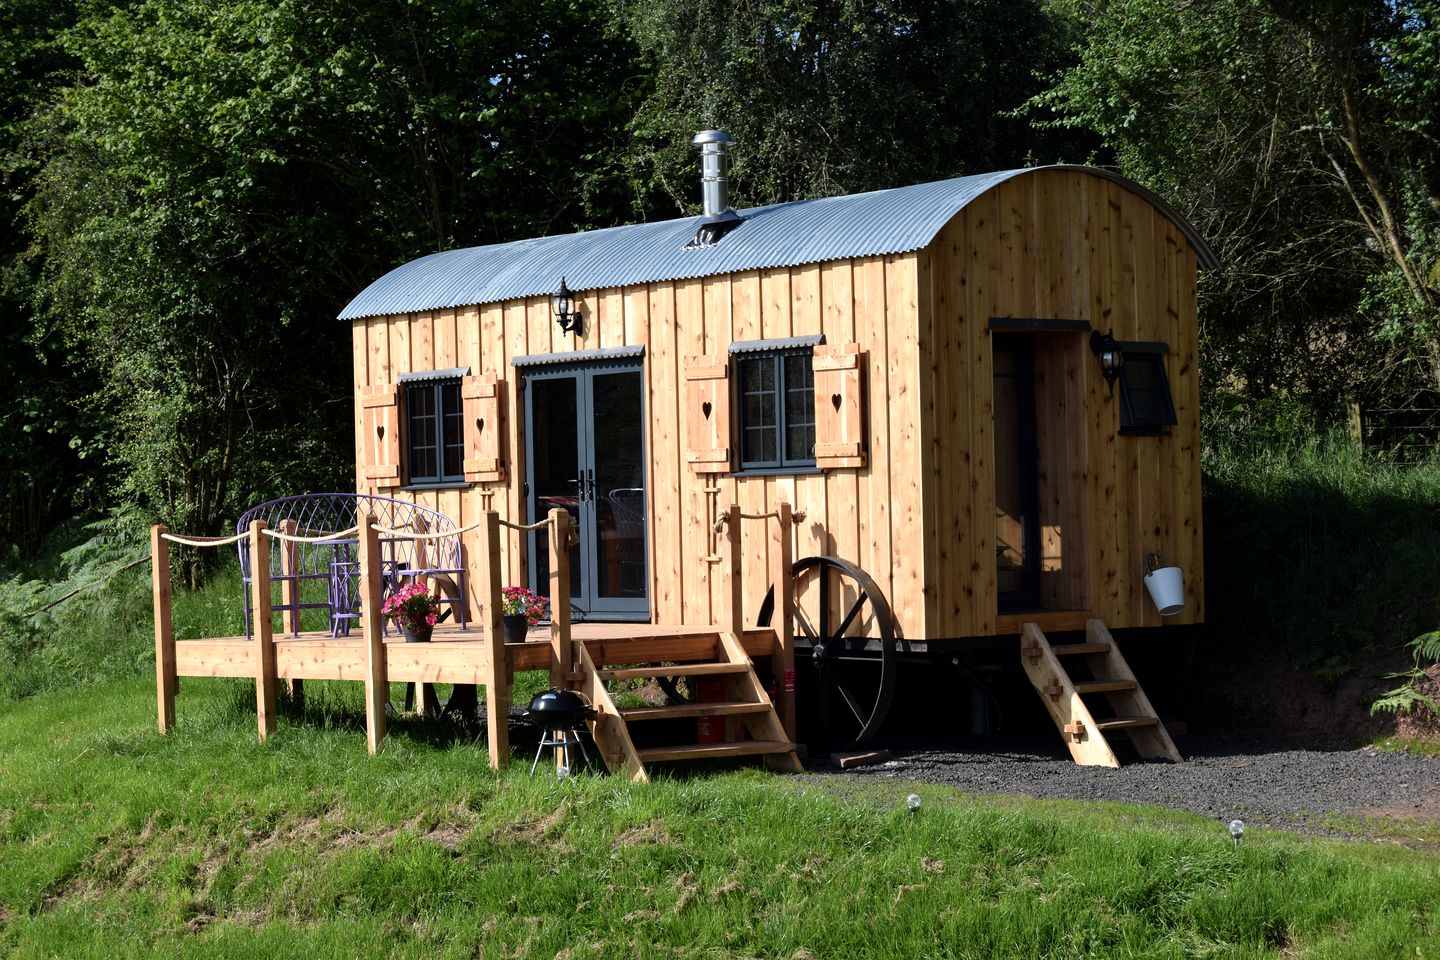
(482, 400)
(839, 406)
(380, 431)
(707, 414)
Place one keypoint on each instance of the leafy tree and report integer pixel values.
(836, 96)
(1300, 137)
(220, 180)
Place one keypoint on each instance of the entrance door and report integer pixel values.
(1017, 507)
(585, 452)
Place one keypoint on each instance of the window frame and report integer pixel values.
(455, 416)
(775, 354)
(1151, 355)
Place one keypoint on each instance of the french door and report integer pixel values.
(585, 453)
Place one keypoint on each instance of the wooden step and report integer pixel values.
(706, 751)
(677, 710)
(1075, 649)
(673, 670)
(1103, 686)
(1125, 723)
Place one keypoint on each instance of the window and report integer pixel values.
(776, 425)
(1145, 404)
(434, 423)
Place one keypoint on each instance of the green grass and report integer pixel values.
(117, 842)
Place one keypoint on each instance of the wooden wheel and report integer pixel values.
(845, 632)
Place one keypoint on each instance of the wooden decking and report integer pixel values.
(453, 655)
(572, 653)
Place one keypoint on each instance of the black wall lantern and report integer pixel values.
(566, 313)
(1111, 357)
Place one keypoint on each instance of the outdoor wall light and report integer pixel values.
(1108, 352)
(566, 314)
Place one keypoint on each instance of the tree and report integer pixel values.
(1299, 136)
(220, 180)
(836, 96)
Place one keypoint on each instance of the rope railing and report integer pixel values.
(524, 527)
(323, 538)
(797, 516)
(205, 541)
(428, 535)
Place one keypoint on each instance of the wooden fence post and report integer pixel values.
(165, 682)
(782, 617)
(290, 598)
(377, 681)
(261, 604)
(561, 655)
(497, 659)
(732, 613)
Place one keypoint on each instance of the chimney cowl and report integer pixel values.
(715, 176)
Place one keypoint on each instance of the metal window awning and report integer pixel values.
(777, 343)
(421, 376)
(631, 352)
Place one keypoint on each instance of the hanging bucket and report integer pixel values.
(1167, 589)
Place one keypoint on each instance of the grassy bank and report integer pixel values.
(116, 842)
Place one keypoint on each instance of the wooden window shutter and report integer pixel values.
(839, 406)
(482, 397)
(707, 414)
(380, 437)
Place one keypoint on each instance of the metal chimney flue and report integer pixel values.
(715, 175)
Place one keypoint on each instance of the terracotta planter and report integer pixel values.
(517, 625)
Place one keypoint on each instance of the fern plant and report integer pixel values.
(1424, 651)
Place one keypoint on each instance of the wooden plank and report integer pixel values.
(205, 658)
(514, 560)
(360, 364)
(165, 665)
(694, 605)
(872, 331)
(334, 660)
(497, 671)
(782, 618)
(675, 670)
(713, 751)
(842, 491)
(429, 663)
(263, 627)
(1104, 417)
(377, 685)
(907, 596)
(718, 310)
(684, 711)
(983, 218)
(560, 644)
(611, 736)
(1087, 744)
(950, 438)
(1007, 624)
(667, 569)
(677, 649)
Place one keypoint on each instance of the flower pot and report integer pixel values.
(1167, 589)
(517, 625)
(417, 636)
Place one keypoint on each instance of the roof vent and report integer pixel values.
(717, 219)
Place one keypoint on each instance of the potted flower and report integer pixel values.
(414, 611)
(521, 610)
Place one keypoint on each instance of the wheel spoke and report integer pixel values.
(804, 625)
(850, 617)
(850, 700)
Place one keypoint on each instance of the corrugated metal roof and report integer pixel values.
(783, 235)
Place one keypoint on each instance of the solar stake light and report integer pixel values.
(562, 772)
(913, 802)
(1237, 830)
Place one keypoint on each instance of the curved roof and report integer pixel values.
(782, 235)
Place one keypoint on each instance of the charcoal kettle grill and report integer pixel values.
(560, 714)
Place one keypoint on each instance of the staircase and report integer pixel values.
(753, 728)
(1127, 707)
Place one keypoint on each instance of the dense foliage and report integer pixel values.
(194, 190)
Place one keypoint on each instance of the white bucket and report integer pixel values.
(1167, 589)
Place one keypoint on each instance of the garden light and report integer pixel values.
(913, 802)
(1237, 830)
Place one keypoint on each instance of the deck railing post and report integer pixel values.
(165, 682)
(377, 682)
(782, 618)
(561, 655)
(261, 604)
(496, 667)
(732, 612)
(290, 597)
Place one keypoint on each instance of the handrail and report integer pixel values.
(204, 541)
(335, 537)
(796, 516)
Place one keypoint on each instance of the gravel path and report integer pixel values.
(1221, 779)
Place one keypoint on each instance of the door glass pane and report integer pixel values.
(619, 491)
(555, 468)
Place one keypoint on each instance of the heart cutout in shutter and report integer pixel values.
(380, 432)
(705, 408)
(835, 399)
(479, 424)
